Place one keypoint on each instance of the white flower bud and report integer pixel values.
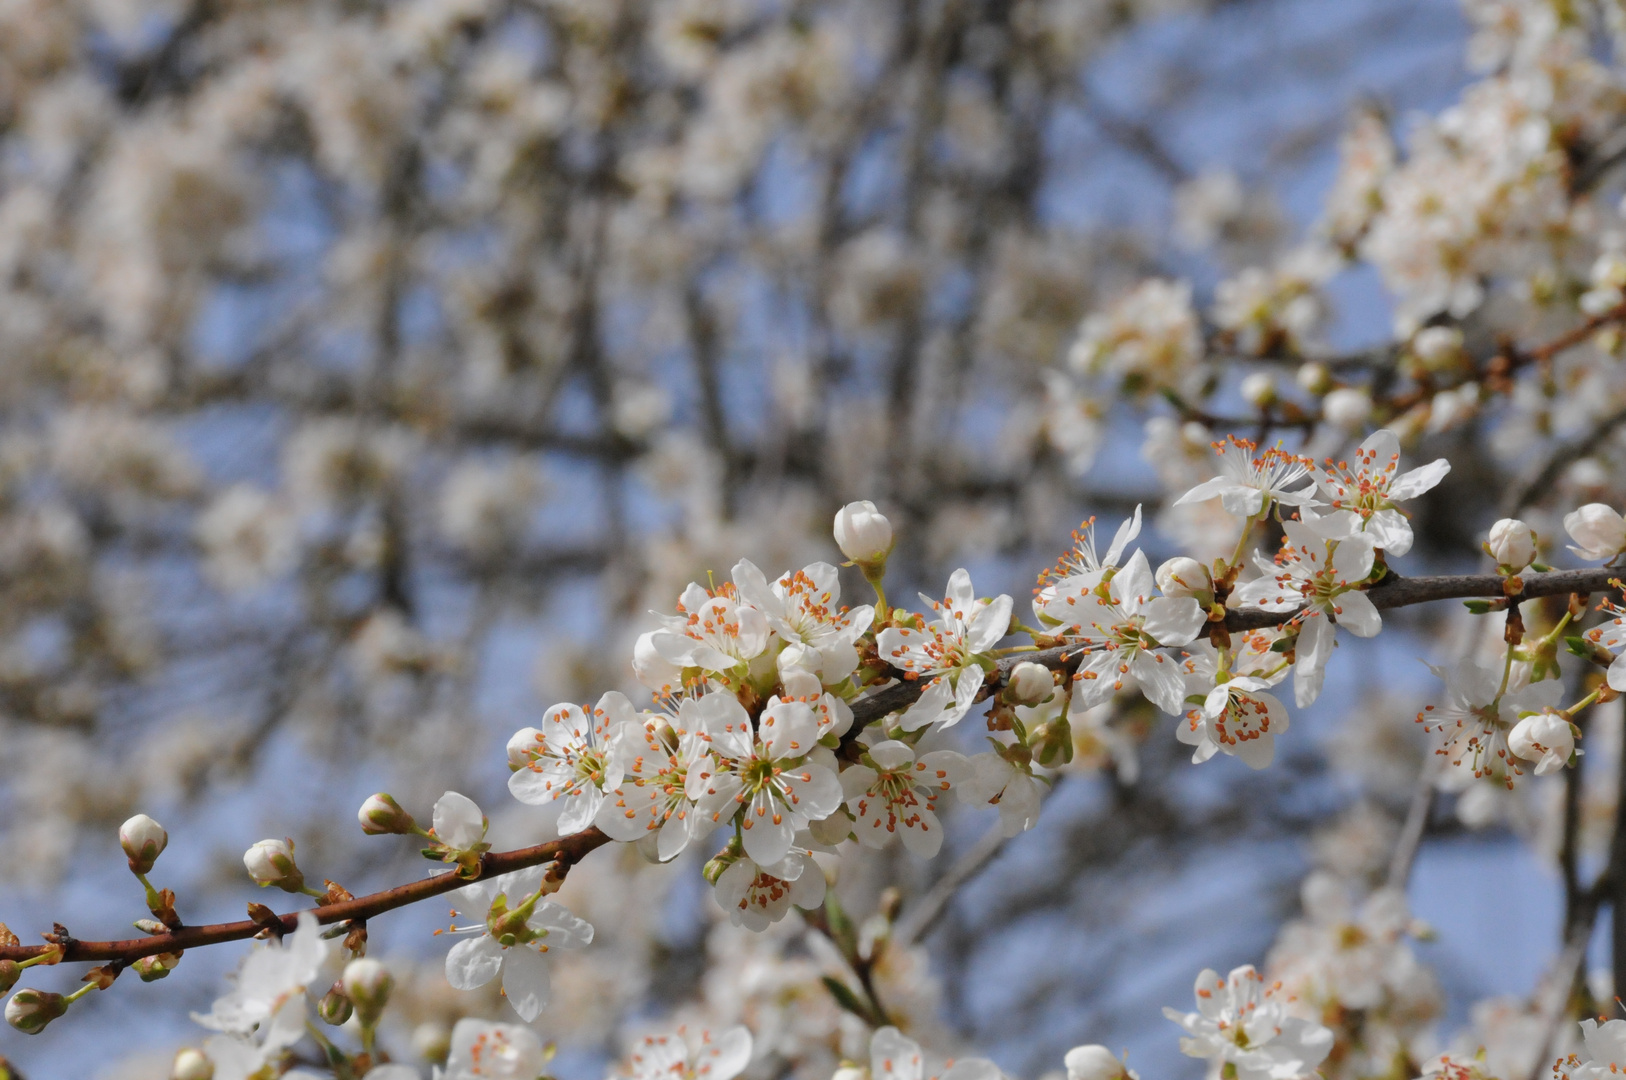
(1512, 544)
(650, 668)
(1096, 1063)
(271, 862)
(525, 740)
(1598, 531)
(1436, 344)
(1031, 683)
(1315, 377)
(1346, 408)
(381, 815)
(863, 534)
(851, 1072)
(1183, 576)
(30, 1010)
(143, 840)
(432, 1040)
(1587, 473)
(190, 1064)
(1545, 738)
(1259, 389)
(368, 984)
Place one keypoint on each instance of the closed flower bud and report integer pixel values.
(335, 1008)
(1512, 544)
(1183, 577)
(1437, 345)
(271, 862)
(863, 534)
(10, 972)
(190, 1064)
(367, 983)
(153, 968)
(30, 1010)
(432, 1040)
(1315, 377)
(1031, 683)
(381, 815)
(1599, 531)
(1259, 389)
(143, 840)
(1545, 738)
(1096, 1063)
(1346, 408)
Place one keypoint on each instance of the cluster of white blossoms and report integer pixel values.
(784, 725)
(782, 730)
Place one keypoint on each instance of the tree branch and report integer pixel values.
(1393, 592)
(569, 851)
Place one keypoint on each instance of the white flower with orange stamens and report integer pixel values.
(573, 757)
(1250, 481)
(894, 796)
(1363, 495)
(762, 778)
(1321, 579)
(946, 652)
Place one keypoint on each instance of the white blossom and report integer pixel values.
(718, 633)
(1243, 1025)
(268, 998)
(765, 777)
(947, 652)
(1125, 633)
(995, 779)
(517, 931)
(1321, 580)
(483, 1050)
(1362, 498)
(1238, 717)
(575, 759)
(863, 533)
(1546, 738)
(893, 795)
(801, 607)
(1512, 544)
(1095, 1062)
(1251, 482)
(757, 895)
(690, 1054)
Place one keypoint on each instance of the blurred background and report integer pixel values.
(370, 370)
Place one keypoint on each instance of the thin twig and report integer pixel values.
(923, 915)
(566, 852)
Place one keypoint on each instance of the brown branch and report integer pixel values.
(1396, 591)
(1393, 592)
(568, 851)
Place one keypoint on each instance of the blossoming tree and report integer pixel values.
(339, 341)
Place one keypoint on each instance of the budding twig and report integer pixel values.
(570, 850)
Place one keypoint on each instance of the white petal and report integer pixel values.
(473, 962)
(1358, 615)
(1314, 649)
(1411, 484)
(458, 822)
(525, 981)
